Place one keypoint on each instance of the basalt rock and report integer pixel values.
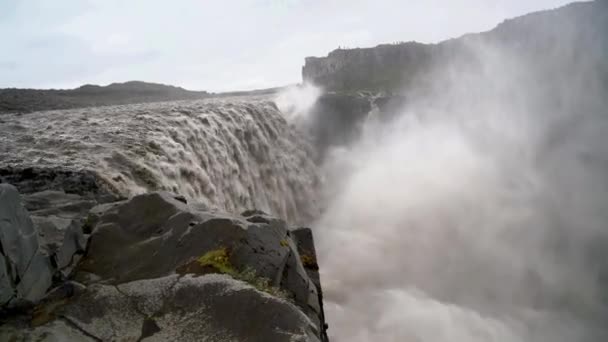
(25, 271)
(213, 307)
(335, 119)
(62, 240)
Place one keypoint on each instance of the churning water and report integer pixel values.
(230, 154)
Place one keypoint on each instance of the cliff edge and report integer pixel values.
(563, 36)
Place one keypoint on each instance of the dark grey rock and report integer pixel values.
(336, 119)
(155, 235)
(56, 331)
(303, 238)
(213, 307)
(146, 274)
(296, 279)
(253, 212)
(26, 273)
(308, 254)
(61, 239)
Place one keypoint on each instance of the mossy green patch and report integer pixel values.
(218, 259)
(260, 283)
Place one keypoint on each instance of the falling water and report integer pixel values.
(230, 154)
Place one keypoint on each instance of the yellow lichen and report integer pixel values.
(309, 261)
(218, 259)
(260, 283)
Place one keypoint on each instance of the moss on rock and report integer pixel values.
(218, 261)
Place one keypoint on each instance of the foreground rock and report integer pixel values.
(25, 272)
(174, 308)
(155, 268)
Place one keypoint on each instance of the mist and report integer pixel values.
(479, 213)
(296, 102)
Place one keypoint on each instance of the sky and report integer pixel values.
(217, 45)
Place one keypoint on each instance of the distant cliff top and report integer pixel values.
(31, 100)
(576, 28)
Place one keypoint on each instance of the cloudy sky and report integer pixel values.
(216, 45)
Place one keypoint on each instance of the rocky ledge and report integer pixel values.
(152, 268)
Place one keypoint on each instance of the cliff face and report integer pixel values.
(381, 67)
(565, 35)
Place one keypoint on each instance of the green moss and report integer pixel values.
(219, 259)
(260, 283)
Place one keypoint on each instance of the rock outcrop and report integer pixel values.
(41, 239)
(157, 268)
(25, 272)
(337, 118)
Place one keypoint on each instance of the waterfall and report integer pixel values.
(229, 154)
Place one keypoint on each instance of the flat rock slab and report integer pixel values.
(174, 308)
